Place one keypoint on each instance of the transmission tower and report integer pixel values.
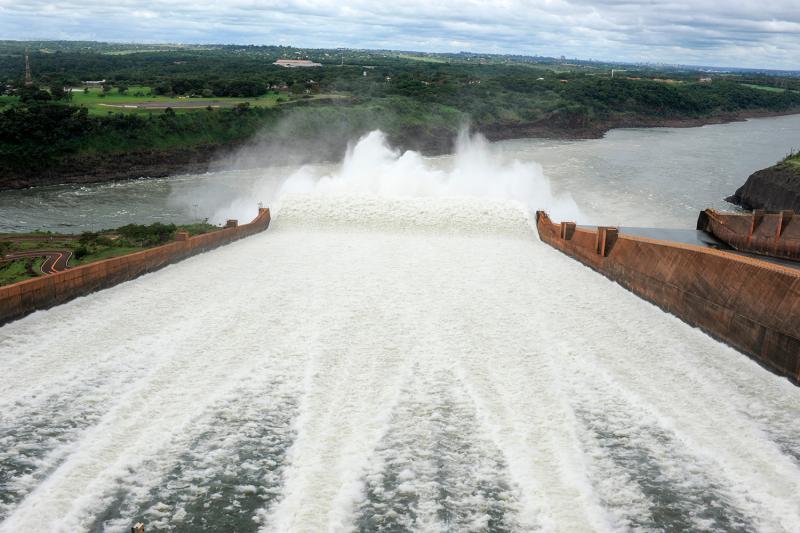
(28, 78)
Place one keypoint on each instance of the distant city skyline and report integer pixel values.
(745, 33)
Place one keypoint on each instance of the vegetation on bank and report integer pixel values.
(793, 161)
(418, 97)
(86, 247)
(102, 101)
(19, 270)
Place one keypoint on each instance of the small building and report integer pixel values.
(705, 80)
(296, 63)
(96, 83)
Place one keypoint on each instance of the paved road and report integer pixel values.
(55, 260)
(191, 104)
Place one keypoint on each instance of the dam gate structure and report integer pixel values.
(25, 297)
(750, 303)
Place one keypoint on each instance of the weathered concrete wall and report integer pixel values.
(752, 305)
(759, 232)
(22, 298)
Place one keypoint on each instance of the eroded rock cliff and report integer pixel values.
(774, 188)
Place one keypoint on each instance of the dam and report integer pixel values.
(379, 364)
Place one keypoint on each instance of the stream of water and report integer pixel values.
(392, 354)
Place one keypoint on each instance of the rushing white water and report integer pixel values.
(650, 177)
(371, 167)
(414, 363)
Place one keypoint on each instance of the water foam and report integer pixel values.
(379, 375)
(372, 168)
(437, 216)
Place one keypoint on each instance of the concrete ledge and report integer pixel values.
(770, 234)
(43, 292)
(751, 304)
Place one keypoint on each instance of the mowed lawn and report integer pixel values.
(764, 88)
(99, 103)
(141, 100)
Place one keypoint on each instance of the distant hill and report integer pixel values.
(99, 111)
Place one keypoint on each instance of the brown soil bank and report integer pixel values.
(436, 141)
(111, 167)
(774, 188)
(566, 129)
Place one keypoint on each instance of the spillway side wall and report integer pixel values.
(770, 234)
(752, 305)
(46, 291)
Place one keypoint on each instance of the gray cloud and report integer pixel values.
(712, 32)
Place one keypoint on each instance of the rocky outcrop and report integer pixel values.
(775, 188)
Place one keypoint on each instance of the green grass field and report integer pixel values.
(20, 270)
(426, 59)
(136, 51)
(99, 103)
(764, 88)
(54, 244)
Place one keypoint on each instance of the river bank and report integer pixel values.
(598, 129)
(429, 141)
(650, 177)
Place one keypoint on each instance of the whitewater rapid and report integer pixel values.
(417, 364)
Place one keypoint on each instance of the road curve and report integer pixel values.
(54, 260)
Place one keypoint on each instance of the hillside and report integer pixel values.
(158, 110)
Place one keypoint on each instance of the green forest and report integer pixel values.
(164, 98)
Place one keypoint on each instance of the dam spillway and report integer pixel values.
(401, 365)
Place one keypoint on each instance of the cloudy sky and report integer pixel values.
(750, 33)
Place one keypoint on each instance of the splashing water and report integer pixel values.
(393, 354)
(372, 168)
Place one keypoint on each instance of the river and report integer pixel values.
(658, 177)
(394, 354)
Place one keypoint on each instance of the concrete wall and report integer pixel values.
(771, 234)
(750, 304)
(22, 298)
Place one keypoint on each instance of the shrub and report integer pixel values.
(151, 235)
